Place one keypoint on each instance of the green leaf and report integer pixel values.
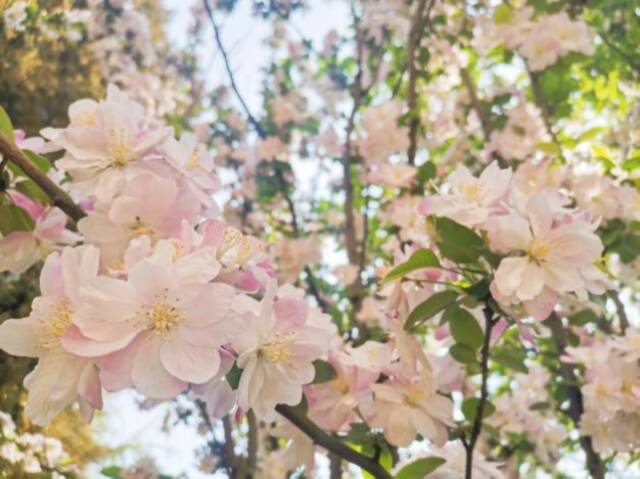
(456, 242)
(426, 172)
(13, 218)
(631, 164)
(590, 134)
(549, 148)
(6, 127)
(42, 162)
(502, 14)
(583, 317)
(430, 307)
(470, 409)
(233, 376)
(463, 354)
(423, 258)
(479, 290)
(510, 359)
(111, 471)
(420, 468)
(463, 327)
(325, 372)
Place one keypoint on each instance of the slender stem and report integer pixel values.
(331, 443)
(576, 407)
(476, 428)
(252, 446)
(59, 198)
(335, 466)
(623, 319)
(419, 24)
(538, 97)
(485, 123)
(625, 56)
(260, 131)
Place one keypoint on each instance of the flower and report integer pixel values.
(21, 249)
(171, 319)
(60, 377)
(105, 142)
(554, 254)
(408, 404)
(471, 200)
(282, 336)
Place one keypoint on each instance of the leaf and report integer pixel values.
(456, 242)
(420, 468)
(13, 218)
(549, 148)
(111, 471)
(233, 376)
(590, 134)
(324, 371)
(463, 354)
(479, 290)
(470, 409)
(40, 161)
(510, 359)
(423, 258)
(631, 164)
(463, 327)
(502, 14)
(430, 307)
(583, 317)
(426, 172)
(6, 127)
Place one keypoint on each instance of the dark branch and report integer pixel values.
(332, 444)
(59, 198)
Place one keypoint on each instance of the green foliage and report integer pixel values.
(6, 127)
(470, 409)
(324, 371)
(433, 305)
(457, 242)
(463, 327)
(420, 468)
(423, 258)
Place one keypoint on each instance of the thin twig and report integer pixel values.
(58, 197)
(260, 131)
(623, 319)
(625, 56)
(476, 428)
(252, 443)
(332, 444)
(419, 24)
(576, 407)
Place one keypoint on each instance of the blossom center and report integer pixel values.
(277, 351)
(120, 151)
(56, 324)
(163, 317)
(413, 397)
(539, 250)
(471, 191)
(140, 228)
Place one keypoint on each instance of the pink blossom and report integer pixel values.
(470, 200)
(60, 378)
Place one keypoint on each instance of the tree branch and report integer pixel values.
(419, 24)
(622, 313)
(59, 198)
(576, 407)
(476, 428)
(332, 444)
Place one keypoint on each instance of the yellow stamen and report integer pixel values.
(163, 317)
(55, 325)
(277, 351)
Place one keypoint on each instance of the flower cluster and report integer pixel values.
(611, 393)
(162, 295)
(547, 248)
(30, 453)
(542, 39)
